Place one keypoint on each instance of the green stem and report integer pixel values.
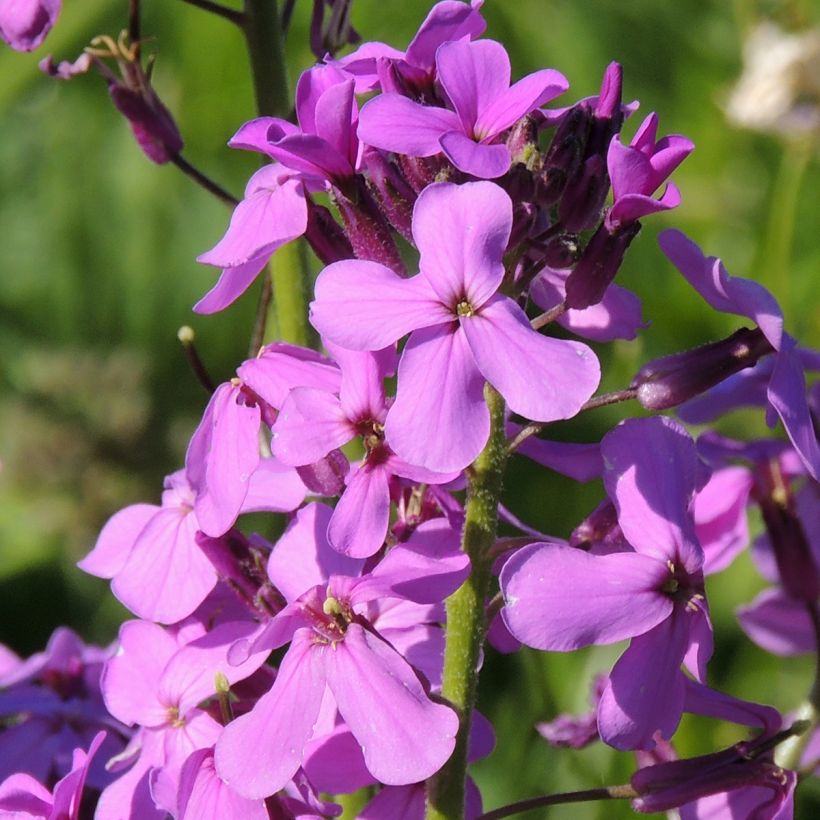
(466, 618)
(774, 262)
(287, 311)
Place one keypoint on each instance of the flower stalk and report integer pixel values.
(466, 614)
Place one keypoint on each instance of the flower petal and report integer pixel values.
(541, 378)
(543, 584)
(441, 390)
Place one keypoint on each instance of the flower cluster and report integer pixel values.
(261, 676)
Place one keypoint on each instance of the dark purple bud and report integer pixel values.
(421, 171)
(563, 158)
(325, 235)
(327, 37)
(367, 229)
(598, 266)
(151, 122)
(561, 251)
(242, 566)
(584, 196)
(672, 380)
(391, 190)
(669, 785)
(795, 564)
(523, 216)
(326, 476)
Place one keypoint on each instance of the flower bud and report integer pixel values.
(672, 380)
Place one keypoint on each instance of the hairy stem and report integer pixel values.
(466, 618)
(287, 309)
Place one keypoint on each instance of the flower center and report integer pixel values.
(464, 308)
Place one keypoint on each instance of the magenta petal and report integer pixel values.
(359, 522)
(404, 736)
(253, 135)
(541, 378)
(778, 624)
(645, 693)
(232, 283)
(395, 123)
(616, 316)
(581, 462)
(130, 681)
(632, 207)
(303, 557)
(709, 278)
(115, 541)
(24, 24)
(311, 155)
(474, 75)
(701, 700)
(475, 158)
(335, 110)
(231, 433)
(448, 20)
(276, 730)
(167, 576)
(651, 475)
(787, 395)
(23, 796)
(334, 763)
(439, 389)
(310, 424)
(260, 223)
(521, 98)
(477, 217)
(273, 487)
(365, 306)
(543, 583)
(203, 794)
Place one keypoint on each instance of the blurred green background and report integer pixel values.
(97, 250)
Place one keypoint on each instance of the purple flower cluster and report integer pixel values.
(259, 676)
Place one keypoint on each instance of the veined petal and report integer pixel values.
(542, 379)
(543, 584)
(475, 158)
(310, 424)
(651, 475)
(359, 522)
(404, 736)
(474, 75)
(260, 751)
(167, 576)
(365, 306)
(116, 540)
(394, 123)
(462, 232)
(520, 99)
(440, 390)
(645, 693)
(232, 283)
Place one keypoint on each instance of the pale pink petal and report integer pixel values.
(310, 424)
(279, 725)
(404, 736)
(474, 75)
(541, 378)
(475, 158)
(477, 219)
(167, 576)
(116, 540)
(363, 305)
(359, 522)
(441, 390)
(395, 123)
(273, 487)
(543, 584)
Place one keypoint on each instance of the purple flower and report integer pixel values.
(24, 24)
(475, 76)
(786, 390)
(653, 594)
(639, 169)
(337, 647)
(463, 331)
